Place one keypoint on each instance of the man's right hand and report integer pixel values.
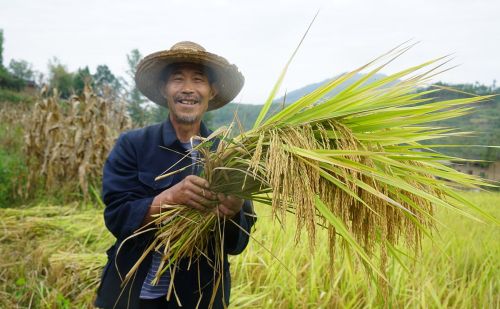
(192, 191)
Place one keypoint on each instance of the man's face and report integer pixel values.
(188, 92)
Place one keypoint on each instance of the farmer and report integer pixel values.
(189, 81)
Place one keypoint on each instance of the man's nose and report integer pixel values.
(187, 87)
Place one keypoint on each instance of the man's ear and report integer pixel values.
(162, 90)
(213, 91)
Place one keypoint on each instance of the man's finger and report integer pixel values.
(206, 193)
(200, 187)
(206, 203)
(221, 197)
(198, 181)
(196, 205)
(227, 212)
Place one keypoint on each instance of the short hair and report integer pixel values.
(172, 67)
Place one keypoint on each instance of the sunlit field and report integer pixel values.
(51, 257)
(460, 270)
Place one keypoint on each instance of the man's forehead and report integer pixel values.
(197, 68)
(178, 68)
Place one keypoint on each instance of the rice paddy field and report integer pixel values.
(51, 257)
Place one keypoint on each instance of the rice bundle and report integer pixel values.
(353, 163)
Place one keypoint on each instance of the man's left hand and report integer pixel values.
(228, 206)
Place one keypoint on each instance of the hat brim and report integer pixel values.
(228, 79)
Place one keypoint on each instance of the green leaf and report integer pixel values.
(21, 281)
(269, 101)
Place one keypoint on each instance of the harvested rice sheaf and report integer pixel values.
(353, 163)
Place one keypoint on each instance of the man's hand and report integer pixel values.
(228, 205)
(192, 191)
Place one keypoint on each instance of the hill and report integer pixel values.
(483, 123)
(484, 119)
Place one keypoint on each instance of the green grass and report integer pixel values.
(15, 97)
(12, 162)
(51, 256)
(13, 170)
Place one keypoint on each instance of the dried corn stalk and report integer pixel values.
(68, 142)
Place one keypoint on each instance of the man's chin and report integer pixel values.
(187, 119)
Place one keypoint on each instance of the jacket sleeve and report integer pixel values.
(236, 237)
(126, 200)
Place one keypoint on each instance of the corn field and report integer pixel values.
(66, 143)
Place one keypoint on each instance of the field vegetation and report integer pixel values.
(52, 256)
(53, 239)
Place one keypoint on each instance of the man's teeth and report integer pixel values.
(189, 102)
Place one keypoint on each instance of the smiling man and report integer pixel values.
(188, 89)
(189, 81)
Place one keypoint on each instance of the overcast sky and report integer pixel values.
(258, 35)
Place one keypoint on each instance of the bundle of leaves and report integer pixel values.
(76, 134)
(353, 164)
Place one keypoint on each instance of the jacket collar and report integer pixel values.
(169, 135)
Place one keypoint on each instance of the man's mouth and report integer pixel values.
(187, 101)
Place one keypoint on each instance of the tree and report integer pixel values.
(1, 48)
(7, 80)
(81, 78)
(60, 78)
(135, 98)
(159, 113)
(22, 69)
(104, 78)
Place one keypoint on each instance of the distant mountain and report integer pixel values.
(484, 121)
(247, 113)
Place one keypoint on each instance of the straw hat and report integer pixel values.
(228, 79)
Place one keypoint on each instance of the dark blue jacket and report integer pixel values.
(128, 190)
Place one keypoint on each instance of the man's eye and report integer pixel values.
(200, 78)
